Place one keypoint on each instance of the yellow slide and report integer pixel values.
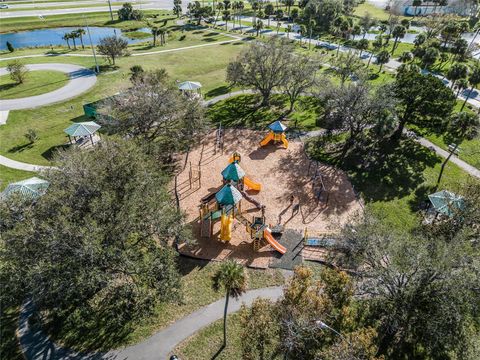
(266, 139)
(285, 141)
(226, 227)
(252, 184)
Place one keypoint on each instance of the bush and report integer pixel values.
(10, 47)
(128, 13)
(18, 71)
(182, 37)
(31, 135)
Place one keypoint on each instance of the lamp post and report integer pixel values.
(110, 7)
(91, 44)
(323, 326)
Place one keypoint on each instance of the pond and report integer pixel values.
(47, 37)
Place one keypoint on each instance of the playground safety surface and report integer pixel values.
(282, 173)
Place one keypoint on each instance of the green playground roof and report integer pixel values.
(233, 172)
(30, 188)
(277, 126)
(446, 202)
(228, 195)
(82, 129)
(189, 85)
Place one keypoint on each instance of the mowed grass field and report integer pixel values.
(205, 64)
(35, 83)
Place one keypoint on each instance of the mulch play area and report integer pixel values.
(282, 173)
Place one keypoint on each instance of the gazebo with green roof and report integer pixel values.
(30, 188)
(81, 130)
(447, 203)
(233, 172)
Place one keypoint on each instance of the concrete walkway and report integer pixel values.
(36, 345)
(81, 79)
(20, 165)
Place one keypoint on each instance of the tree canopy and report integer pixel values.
(97, 244)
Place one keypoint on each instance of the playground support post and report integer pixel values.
(177, 199)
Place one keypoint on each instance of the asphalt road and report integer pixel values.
(44, 11)
(81, 79)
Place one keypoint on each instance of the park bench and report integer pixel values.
(451, 148)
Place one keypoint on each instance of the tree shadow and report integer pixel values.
(388, 171)
(20, 148)
(247, 111)
(52, 152)
(187, 264)
(218, 91)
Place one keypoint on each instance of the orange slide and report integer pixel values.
(274, 243)
(252, 184)
(266, 139)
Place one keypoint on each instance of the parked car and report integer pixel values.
(3, 6)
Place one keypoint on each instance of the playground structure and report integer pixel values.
(233, 172)
(226, 205)
(283, 175)
(276, 134)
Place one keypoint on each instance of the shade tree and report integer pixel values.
(97, 244)
(154, 112)
(423, 100)
(263, 66)
(112, 47)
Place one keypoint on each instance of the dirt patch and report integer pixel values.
(282, 173)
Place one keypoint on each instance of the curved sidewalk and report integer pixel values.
(81, 79)
(36, 345)
(20, 165)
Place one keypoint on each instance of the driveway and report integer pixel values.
(81, 79)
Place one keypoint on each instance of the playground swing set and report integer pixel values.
(226, 205)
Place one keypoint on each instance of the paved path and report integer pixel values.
(35, 345)
(20, 165)
(81, 79)
(454, 159)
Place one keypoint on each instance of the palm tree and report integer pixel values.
(80, 33)
(456, 72)
(312, 23)
(288, 30)
(73, 35)
(398, 32)
(219, 10)
(383, 57)
(473, 80)
(66, 37)
(226, 17)
(231, 278)
(258, 26)
(240, 7)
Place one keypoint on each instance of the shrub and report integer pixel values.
(10, 46)
(31, 135)
(182, 37)
(18, 71)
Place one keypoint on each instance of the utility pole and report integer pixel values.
(110, 7)
(93, 47)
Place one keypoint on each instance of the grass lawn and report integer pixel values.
(244, 111)
(93, 19)
(197, 287)
(40, 8)
(396, 184)
(374, 11)
(206, 65)
(206, 344)
(8, 175)
(36, 83)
